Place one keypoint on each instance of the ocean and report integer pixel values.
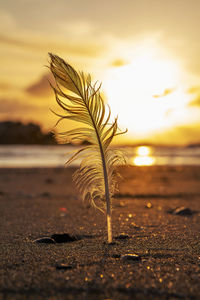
(26, 156)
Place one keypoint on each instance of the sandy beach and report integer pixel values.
(38, 203)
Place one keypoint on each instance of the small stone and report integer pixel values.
(122, 237)
(63, 267)
(181, 211)
(131, 257)
(149, 205)
(63, 209)
(133, 225)
(45, 240)
(64, 238)
(120, 204)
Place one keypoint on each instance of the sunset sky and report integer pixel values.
(146, 53)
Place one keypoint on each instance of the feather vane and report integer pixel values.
(82, 102)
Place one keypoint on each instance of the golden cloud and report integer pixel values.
(13, 106)
(180, 135)
(41, 87)
(41, 43)
(196, 91)
(118, 62)
(165, 93)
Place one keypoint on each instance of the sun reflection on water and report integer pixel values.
(143, 156)
(143, 151)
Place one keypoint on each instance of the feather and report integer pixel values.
(82, 102)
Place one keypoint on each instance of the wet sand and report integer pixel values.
(36, 203)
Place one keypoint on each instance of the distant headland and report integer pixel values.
(26, 134)
(18, 133)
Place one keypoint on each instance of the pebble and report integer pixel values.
(149, 205)
(64, 267)
(120, 204)
(63, 211)
(45, 240)
(64, 238)
(181, 211)
(57, 238)
(122, 237)
(131, 257)
(133, 225)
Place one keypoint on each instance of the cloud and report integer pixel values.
(180, 135)
(41, 87)
(195, 90)
(195, 102)
(165, 93)
(119, 62)
(16, 110)
(14, 106)
(13, 41)
(5, 86)
(42, 33)
(190, 133)
(44, 43)
(76, 28)
(7, 20)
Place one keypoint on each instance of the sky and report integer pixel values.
(145, 53)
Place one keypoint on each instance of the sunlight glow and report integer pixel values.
(143, 160)
(143, 157)
(143, 151)
(147, 93)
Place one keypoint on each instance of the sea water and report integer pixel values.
(14, 156)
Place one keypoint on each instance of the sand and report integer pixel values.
(36, 203)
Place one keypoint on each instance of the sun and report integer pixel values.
(144, 92)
